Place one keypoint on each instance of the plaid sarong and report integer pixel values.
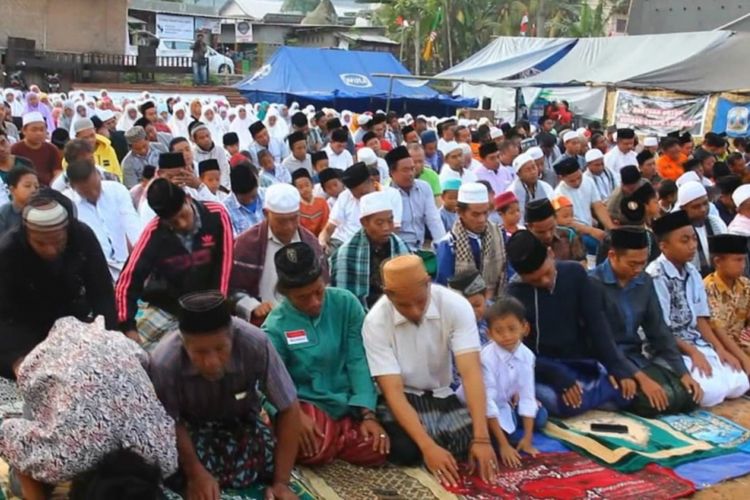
(153, 323)
(350, 264)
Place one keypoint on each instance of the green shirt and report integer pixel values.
(325, 355)
(432, 178)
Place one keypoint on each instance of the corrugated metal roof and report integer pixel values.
(362, 37)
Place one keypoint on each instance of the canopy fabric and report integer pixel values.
(508, 56)
(342, 79)
(716, 70)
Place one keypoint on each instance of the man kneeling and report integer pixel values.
(206, 376)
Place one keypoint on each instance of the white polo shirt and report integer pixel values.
(582, 198)
(345, 213)
(421, 353)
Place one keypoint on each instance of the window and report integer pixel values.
(620, 25)
(180, 45)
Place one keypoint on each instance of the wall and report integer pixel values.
(674, 16)
(66, 25)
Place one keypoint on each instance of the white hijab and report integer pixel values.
(179, 127)
(280, 129)
(241, 126)
(214, 125)
(125, 122)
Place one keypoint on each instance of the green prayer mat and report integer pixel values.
(645, 442)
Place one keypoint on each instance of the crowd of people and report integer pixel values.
(294, 286)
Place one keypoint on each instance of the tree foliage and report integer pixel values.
(302, 6)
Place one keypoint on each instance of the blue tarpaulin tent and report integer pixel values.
(342, 79)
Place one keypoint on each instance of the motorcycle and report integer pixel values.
(53, 83)
(17, 79)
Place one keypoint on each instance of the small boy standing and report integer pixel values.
(508, 372)
(209, 172)
(313, 211)
(728, 290)
(449, 210)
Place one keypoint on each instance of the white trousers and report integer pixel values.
(724, 382)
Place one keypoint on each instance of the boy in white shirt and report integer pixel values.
(508, 373)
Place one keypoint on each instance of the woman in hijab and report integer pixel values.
(127, 118)
(214, 124)
(179, 122)
(241, 125)
(276, 126)
(33, 104)
(66, 119)
(82, 111)
(261, 110)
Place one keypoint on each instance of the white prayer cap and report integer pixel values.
(690, 191)
(483, 121)
(569, 136)
(651, 142)
(495, 133)
(364, 119)
(450, 147)
(741, 195)
(473, 192)
(593, 155)
(33, 117)
(536, 153)
(368, 156)
(521, 160)
(581, 131)
(80, 125)
(373, 203)
(105, 114)
(465, 148)
(687, 177)
(282, 199)
(463, 122)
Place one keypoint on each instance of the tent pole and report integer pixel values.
(390, 92)
(518, 104)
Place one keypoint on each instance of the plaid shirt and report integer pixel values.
(242, 218)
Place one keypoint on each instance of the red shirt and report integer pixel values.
(314, 216)
(47, 160)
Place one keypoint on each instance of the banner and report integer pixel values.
(177, 27)
(731, 117)
(660, 115)
(243, 32)
(211, 24)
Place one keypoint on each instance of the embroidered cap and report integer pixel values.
(282, 199)
(296, 265)
(45, 215)
(203, 312)
(468, 283)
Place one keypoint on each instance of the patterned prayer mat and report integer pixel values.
(714, 429)
(646, 441)
(568, 476)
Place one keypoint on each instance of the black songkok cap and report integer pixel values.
(243, 178)
(317, 156)
(487, 148)
(727, 243)
(629, 238)
(394, 155)
(333, 123)
(339, 135)
(203, 312)
(256, 127)
(686, 138)
(141, 122)
(378, 118)
(230, 139)
(329, 174)
(644, 193)
(728, 183)
(208, 165)
(525, 252)
(566, 166)
(299, 119)
(296, 265)
(295, 137)
(644, 156)
(301, 173)
(146, 106)
(632, 210)
(355, 175)
(165, 198)
(171, 160)
(625, 133)
(407, 129)
(539, 210)
(630, 174)
(670, 222)
(367, 136)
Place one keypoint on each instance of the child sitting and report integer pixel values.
(471, 285)
(270, 172)
(684, 305)
(728, 293)
(331, 185)
(210, 175)
(667, 195)
(449, 197)
(313, 211)
(510, 213)
(508, 369)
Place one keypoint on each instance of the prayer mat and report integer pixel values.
(736, 410)
(711, 471)
(567, 476)
(714, 429)
(646, 441)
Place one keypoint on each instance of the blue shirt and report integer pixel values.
(448, 218)
(446, 256)
(243, 217)
(435, 161)
(419, 212)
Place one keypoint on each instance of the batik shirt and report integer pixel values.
(87, 394)
(730, 308)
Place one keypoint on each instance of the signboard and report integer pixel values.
(660, 115)
(177, 27)
(731, 117)
(211, 24)
(243, 32)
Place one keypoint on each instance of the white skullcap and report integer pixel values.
(80, 125)
(282, 199)
(483, 121)
(593, 155)
(364, 119)
(450, 147)
(690, 191)
(581, 131)
(495, 133)
(33, 117)
(463, 122)
(569, 136)
(536, 153)
(651, 142)
(521, 160)
(687, 177)
(374, 203)
(105, 114)
(368, 156)
(473, 192)
(465, 148)
(741, 195)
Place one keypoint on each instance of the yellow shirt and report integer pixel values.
(104, 156)
(730, 308)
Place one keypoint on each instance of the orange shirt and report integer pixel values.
(314, 216)
(670, 169)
